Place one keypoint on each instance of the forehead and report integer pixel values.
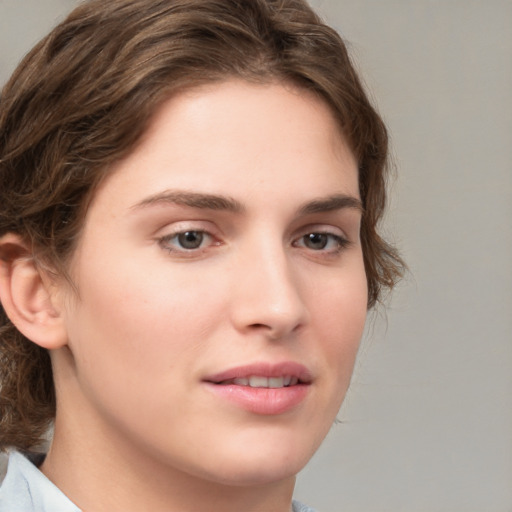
(219, 137)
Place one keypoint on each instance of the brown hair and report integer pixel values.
(81, 99)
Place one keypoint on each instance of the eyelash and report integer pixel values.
(166, 242)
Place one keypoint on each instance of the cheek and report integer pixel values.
(147, 319)
(130, 337)
(340, 319)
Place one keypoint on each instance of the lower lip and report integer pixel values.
(265, 401)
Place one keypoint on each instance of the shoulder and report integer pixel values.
(26, 489)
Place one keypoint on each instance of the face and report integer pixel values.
(221, 287)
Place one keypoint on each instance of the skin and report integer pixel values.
(137, 427)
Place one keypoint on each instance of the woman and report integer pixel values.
(190, 193)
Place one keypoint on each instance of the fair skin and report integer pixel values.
(222, 254)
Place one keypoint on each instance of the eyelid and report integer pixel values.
(192, 224)
(327, 229)
(340, 240)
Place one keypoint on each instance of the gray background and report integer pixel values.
(427, 425)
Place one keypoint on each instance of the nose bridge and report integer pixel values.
(268, 295)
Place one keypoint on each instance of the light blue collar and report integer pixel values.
(26, 489)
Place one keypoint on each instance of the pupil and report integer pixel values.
(316, 241)
(190, 239)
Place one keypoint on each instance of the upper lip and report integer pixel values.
(263, 369)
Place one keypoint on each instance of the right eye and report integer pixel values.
(186, 241)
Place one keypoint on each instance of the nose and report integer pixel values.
(268, 298)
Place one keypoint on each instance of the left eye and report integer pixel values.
(187, 240)
(321, 241)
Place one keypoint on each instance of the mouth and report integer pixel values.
(264, 375)
(265, 389)
(258, 381)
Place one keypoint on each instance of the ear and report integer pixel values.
(26, 295)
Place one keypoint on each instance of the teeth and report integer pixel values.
(256, 381)
(276, 382)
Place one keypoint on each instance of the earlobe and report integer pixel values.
(26, 296)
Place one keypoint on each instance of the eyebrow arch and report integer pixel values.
(193, 200)
(335, 202)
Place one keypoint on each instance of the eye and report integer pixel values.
(190, 239)
(319, 241)
(184, 241)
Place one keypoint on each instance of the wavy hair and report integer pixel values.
(82, 98)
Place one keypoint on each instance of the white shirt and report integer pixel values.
(26, 489)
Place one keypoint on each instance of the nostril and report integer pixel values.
(275, 330)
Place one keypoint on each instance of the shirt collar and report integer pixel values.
(26, 489)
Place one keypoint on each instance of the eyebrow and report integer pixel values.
(331, 203)
(193, 200)
(224, 203)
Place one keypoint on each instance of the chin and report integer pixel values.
(249, 474)
(263, 463)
